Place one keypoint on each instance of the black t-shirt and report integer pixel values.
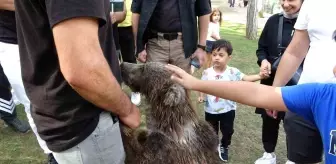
(7, 27)
(63, 118)
(166, 17)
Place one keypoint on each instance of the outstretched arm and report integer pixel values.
(243, 92)
(251, 94)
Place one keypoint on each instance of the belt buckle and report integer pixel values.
(170, 37)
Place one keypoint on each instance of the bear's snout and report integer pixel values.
(131, 74)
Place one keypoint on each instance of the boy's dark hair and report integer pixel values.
(222, 43)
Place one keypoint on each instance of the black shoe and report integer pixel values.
(51, 159)
(18, 125)
(223, 153)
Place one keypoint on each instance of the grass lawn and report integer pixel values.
(246, 145)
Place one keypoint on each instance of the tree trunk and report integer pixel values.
(251, 22)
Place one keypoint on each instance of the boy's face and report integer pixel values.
(220, 57)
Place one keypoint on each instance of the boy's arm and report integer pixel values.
(252, 78)
(242, 77)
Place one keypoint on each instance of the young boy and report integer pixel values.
(315, 102)
(220, 112)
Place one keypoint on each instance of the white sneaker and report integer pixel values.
(136, 98)
(289, 162)
(267, 158)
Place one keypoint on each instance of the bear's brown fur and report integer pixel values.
(174, 134)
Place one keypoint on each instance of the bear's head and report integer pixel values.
(153, 80)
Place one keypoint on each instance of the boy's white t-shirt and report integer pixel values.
(213, 28)
(318, 18)
(216, 105)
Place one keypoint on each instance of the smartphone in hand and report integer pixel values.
(195, 62)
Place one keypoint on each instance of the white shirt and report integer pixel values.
(216, 105)
(318, 18)
(213, 29)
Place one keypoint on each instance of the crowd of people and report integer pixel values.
(61, 61)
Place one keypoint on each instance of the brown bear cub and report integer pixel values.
(174, 134)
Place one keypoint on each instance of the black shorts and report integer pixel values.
(304, 142)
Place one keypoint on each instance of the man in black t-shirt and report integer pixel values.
(10, 61)
(72, 77)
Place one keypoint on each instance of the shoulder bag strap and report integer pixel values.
(280, 28)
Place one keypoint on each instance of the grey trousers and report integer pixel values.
(103, 146)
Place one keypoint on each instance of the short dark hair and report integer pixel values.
(222, 43)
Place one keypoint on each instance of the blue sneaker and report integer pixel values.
(223, 153)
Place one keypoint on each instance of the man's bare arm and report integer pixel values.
(84, 66)
(135, 25)
(7, 5)
(248, 93)
(203, 24)
(292, 58)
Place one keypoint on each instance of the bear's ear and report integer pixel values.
(174, 95)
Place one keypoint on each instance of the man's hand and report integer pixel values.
(142, 57)
(200, 54)
(182, 77)
(113, 18)
(132, 120)
(265, 66)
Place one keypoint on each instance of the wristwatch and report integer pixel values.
(201, 47)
